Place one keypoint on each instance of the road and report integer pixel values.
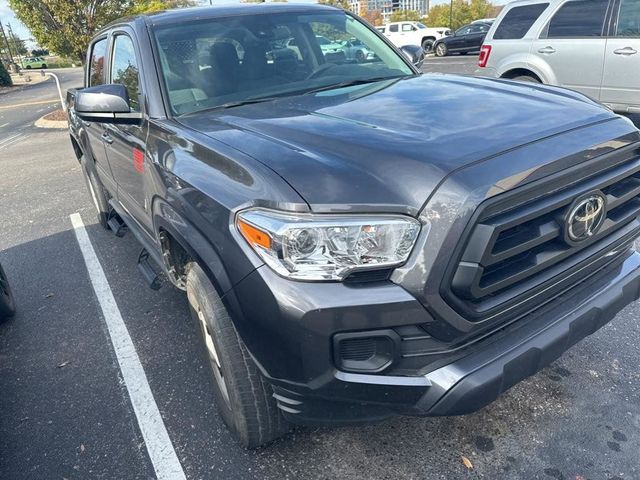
(65, 411)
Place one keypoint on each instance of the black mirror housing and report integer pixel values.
(106, 104)
(414, 53)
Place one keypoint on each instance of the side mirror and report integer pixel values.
(414, 53)
(105, 104)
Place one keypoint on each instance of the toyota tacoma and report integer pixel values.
(356, 240)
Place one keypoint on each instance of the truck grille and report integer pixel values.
(508, 254)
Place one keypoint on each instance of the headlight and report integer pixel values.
(327, 247)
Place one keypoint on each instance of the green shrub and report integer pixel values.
(5, 78)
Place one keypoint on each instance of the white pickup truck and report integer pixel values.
(413, 33)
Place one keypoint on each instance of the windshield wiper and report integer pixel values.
(351, 83)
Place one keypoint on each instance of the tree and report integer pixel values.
(343, 4)
(405, 16)
(66, 26)
(39, 52)
(5, 78)
(464, 11)
(374, 17)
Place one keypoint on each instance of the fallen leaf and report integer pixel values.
(48, 295)
(64, 364)
(467, 463)
(82, 447)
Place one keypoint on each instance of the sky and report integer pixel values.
(7, 16)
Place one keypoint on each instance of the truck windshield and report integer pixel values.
(228, 61)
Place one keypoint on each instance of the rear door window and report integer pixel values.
(629, 19)
(97, 64)
(393, 28)
(581, 18)
(124, 69)
(517, 22)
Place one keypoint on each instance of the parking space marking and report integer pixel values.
(163, 456)
(6, 142)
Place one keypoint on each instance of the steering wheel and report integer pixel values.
(320, 69)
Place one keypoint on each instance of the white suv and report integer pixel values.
(592, 46)
(413, 33)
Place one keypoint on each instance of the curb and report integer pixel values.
(56, 124)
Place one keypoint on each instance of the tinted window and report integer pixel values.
(223, 61)
(629, 19)
(393, 28)
(96, 67)
(124, 68)
(582, 18)
(517, 22)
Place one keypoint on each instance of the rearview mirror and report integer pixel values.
(414, 53)
(105, 104)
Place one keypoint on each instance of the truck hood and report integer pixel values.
(388, 145)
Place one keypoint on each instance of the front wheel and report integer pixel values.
(526, 78)
(427, 45)
(28, 67)
(44, 65)
(442, 50)
(7, 302)
(360, 58)
(242, 395)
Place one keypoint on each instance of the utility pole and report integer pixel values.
(451, 15)
(7, 43)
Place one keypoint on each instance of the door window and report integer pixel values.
(581, 18)
(393, 28)
(96, 63)
(629, 19)
(517, 22)
(124, 69)
(407, 27)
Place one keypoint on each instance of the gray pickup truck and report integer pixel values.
(356, 239)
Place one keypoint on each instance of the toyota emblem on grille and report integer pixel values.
(586, 217)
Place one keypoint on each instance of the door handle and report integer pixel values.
(106, 137)
(625, 51)
(547, 50)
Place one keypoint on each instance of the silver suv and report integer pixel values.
(592, 46)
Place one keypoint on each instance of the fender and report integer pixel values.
(166, 217)
(522, 61)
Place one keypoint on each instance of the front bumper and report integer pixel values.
(310, 390)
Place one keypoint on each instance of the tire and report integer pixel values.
(442, 50)
(526, 78)
(7, 302)
(360, 58)
(427, 45)
(96, 191)
(44, 65)
(28, 67)
(242, 395)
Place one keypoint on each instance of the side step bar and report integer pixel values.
(146, 268)
(116, 224)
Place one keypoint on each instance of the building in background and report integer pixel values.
(387, 7)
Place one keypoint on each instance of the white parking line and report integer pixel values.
(161, 451)
(6, 142)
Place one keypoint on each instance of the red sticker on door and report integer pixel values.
(138, 160)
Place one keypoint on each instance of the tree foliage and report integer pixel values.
(464, 11)
(5, 78)
(405, 16)
(343, 4)
(66, 26)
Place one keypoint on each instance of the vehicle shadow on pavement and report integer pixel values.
(65, 411)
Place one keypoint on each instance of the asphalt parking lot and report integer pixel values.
(65, 411)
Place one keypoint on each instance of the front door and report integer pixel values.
(95, 131)
(621, 80)
(126, 143)
(573, 45)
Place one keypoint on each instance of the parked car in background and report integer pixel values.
(354, 49)
(328, 46)
(592, 46)
(33, 62)
(7, 302)
(465, 40)
(413, 33)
